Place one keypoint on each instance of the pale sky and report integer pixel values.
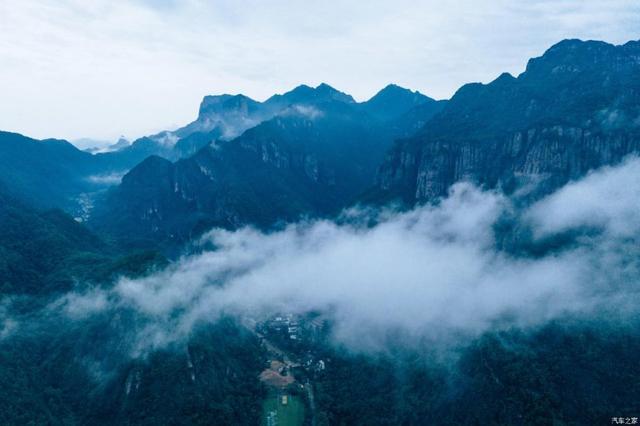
(103, 68)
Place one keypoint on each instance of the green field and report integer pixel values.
(274, 413)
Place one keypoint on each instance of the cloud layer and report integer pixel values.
(434, 274)
(103, 68)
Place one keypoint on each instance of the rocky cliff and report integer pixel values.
(574, 109)
(311, 159)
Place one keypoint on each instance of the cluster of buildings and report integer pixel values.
(288, 324)
(296, 327)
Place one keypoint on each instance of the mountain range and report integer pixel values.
(314, 157)
(574, 109)
(90, 240)
(314, 151)
(310, 151)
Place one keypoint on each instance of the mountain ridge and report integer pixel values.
(571, 110)
(308, 160)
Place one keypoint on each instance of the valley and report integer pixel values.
(310, 259)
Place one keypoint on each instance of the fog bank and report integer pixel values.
(433, 274)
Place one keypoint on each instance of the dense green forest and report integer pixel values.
(81, 376)
(520, 195)
(559, 374)
(62, 371)
(46, 251)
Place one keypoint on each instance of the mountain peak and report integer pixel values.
(324, 90)
(300, 90)
(505, 77)
(304, 94)
(394, 87)
(393, 101)
(572, 56)
(392, 90)
(225, 102)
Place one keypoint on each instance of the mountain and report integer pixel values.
(54, 173)
(304, 94)
(101, 147)
(316, 154)
(308, 160)
(574, 108)
(394, 101)
(220, 117)
(47, 173)
(404, 110)
(410, 122)
(84, 342)
(44, 252)
(34, 245)
(71, 373)
(227, 115)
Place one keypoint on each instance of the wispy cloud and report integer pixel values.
(106, 179)
(434, 274)
(606, 200)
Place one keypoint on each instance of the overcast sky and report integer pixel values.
(102, 68)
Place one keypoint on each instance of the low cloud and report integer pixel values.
(167, 139)
(8, 324)
(433, 274)
(607, 200)
(308, 111)
(106, 178)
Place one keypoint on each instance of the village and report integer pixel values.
(291, 366)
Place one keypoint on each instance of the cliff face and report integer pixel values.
(549, 156)
(310, 160)
(574, 109)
